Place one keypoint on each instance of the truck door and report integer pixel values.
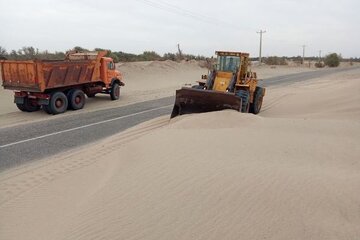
(110, 70)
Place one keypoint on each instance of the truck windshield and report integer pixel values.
(111, 65)
(228, 63)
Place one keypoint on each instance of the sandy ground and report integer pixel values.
(292, 172)
(144, 81)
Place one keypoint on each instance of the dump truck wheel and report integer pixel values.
(28, 106)
(47, 109)
(115, 91)
(58, 103)
(255, 107)
(245, 96)
(21, 107)
(76, 99)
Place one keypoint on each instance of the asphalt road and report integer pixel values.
(29, 142)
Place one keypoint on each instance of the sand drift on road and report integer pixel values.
(292, 172)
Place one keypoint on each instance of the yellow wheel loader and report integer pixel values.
(231, 85)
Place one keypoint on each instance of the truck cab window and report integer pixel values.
(111, 65)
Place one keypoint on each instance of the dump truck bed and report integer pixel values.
(39, 76)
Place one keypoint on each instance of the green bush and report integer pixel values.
(27, 53)
(274, 60)
(319, 65)
(332, 60)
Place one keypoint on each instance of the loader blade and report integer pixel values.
(190, 100)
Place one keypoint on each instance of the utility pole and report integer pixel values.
(261, 33)
(319, 55)
(303, 56)
(179, 51)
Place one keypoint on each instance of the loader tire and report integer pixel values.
(76, 99)
(58, 103)
(245, 97)
(115, 91)
(28, 106)
(255, 107)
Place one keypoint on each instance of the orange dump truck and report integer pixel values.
(56, 85)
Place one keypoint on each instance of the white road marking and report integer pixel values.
(84, 126)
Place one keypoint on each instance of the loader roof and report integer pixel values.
(225, 53)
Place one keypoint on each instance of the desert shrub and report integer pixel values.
(169, 56)
(27, 53)
(332, 60)
(274, 60)
(149, 56)
(319, 65)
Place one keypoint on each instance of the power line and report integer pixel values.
(174, 9)
(165, 6)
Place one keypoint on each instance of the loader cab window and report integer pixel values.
(228, 63)
(111, 66)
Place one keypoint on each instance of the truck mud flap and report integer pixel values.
(190, 100)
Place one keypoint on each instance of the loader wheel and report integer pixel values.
(58, 103)
(28, 106)
(245, 97)
(115, 91)
(76, 99)
(255, 107)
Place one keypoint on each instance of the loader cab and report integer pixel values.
(228, 63)
(230, 67)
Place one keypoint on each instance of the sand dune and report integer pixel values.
(292, 172)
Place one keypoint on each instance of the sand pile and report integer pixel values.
(224, 175)
(160, 75)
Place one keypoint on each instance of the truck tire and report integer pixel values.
(255, 107)
(245, 97)
(47, 109)
(28, 106)
(115, 91)
(58, 103)
(76, 99)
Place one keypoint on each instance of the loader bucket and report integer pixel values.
(190, 100)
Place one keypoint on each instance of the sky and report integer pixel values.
(199, 26)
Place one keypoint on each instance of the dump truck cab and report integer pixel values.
(229, 85)
(108, 71)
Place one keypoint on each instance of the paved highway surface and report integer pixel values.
(24, 143)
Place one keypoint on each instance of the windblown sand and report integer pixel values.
(292, 172)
